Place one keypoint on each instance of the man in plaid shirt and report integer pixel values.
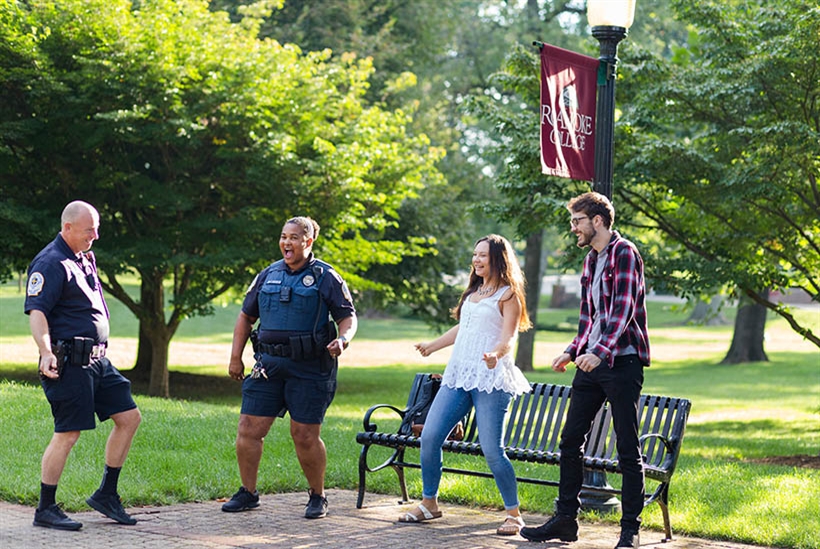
(610, 351)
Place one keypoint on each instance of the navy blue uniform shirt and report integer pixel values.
(65, 288)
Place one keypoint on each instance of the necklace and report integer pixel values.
(485, 290)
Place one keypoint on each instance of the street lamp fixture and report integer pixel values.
(610, 21)
(611, 13)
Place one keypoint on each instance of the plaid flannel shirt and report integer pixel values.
(623, 296)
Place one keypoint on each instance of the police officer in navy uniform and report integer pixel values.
(69, 322)
(296, 347)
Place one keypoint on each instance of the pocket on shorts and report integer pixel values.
(312, 400)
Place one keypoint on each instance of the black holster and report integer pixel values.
(255, 341)
(59, 351)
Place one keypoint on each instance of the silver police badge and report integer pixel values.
(308, 280)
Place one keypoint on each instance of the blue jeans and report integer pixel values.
(449, 406)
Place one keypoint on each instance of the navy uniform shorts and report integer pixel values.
(82, 391)
(306, 399)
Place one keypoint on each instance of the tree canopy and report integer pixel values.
(195, 139)
(719, 149)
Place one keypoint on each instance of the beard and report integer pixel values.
(585, 239)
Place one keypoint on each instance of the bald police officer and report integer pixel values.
(69, 322)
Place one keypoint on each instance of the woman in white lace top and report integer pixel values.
(480, 374)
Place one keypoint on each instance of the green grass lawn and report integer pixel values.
(184, 450)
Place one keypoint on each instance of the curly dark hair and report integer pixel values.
(309, 225)
(592, 204)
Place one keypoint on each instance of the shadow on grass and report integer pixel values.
(198, 387)
(183, 386)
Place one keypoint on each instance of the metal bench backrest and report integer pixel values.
(536, 419)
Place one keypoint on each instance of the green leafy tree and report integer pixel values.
(720, 150)
(420, 67)
(195, 139)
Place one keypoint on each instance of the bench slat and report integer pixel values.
(557, 396)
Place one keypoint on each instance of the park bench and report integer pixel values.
(533, 434)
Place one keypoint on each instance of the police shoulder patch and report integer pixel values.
(35, 284)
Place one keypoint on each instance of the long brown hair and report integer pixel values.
(504, 265)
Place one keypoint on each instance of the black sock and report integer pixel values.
(111, 476)
(48, 496)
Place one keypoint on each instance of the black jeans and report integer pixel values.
(621, 385)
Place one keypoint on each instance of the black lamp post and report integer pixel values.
(609, 20)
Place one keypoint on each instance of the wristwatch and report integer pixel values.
(344, 341)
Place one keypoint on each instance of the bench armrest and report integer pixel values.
(666, 461)
(372, 427)
(666, 442)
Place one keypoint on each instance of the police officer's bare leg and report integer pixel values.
(56, 455)
(249, 444)
(310, 449)
(119, 441)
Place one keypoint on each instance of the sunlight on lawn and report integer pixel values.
(668, 344)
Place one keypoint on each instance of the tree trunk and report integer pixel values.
(747, 340)
(532, 272)
(142, 367)
(159, 384)
(154, 336)
(708, 314)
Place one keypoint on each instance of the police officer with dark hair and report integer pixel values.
(69, 322)
(296, 347)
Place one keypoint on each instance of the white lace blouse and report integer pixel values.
(479, 331)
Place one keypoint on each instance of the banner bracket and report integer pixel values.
(537, 44)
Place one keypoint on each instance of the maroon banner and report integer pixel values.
(568, 90)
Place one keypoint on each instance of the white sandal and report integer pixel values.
(426, 514)
(509, 529)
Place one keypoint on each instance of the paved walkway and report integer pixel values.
(279, 523)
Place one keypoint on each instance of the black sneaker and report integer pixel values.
(110, 506)
(629, 538)
(316, 506)
(53, 517)
(242, 501)
(562, 527)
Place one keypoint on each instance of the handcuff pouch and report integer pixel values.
(81, 348)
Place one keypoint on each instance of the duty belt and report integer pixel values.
(66, 346)
(275, 349)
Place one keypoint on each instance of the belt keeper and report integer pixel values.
(98, 351)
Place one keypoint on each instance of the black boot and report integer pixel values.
(629, 538)
(562, 527)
